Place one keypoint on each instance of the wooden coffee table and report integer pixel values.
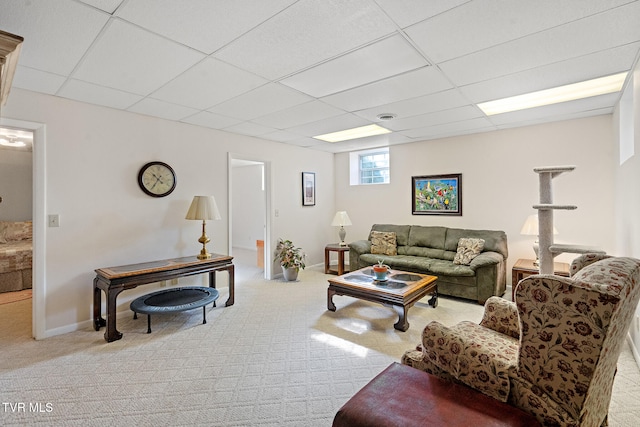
(401, 290)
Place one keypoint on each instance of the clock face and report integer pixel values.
(157, 179)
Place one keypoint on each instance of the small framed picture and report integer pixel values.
(308, 188)
(436, 195)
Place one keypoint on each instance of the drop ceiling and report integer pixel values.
(287, 70)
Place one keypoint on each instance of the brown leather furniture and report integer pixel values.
(401, 396)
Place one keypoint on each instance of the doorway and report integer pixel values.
(38, 217)
(249, 225)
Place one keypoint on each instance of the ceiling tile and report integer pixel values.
(448, 128)
(128, 58)
(36, 80)
(599, 32)
(420, 105)
(206, 84)
(164, 110)
(481, 24)
(204, 25)
(299, 115)
(210, 120)
(281, 136)
(266, 99)
(409, 85)
(574, 70)
(251, 129)
(49, 44)
(305, 34)
(435, 118)
(377, 61)
(558, 117)
(331, 124)
(407, 12)
(108, 6)
(100, 95)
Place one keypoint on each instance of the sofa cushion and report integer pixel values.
(448, 268)
(425, 252)
(468, 249)
(402, 232)
(383, 242)
(427, 237)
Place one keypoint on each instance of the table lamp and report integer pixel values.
(341, 219)
(203, 208)
(530, 228)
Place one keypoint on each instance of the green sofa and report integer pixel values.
(431, 250)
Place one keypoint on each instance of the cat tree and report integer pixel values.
(547, 248)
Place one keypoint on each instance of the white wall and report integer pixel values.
(626, 191)
(93, 155)
(498, 183)
(15, 184)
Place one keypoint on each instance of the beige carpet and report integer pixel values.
(275, 358)
(9, 297)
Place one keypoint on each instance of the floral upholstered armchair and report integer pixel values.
(554, 352)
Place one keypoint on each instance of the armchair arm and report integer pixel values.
(501, 316)
(584, 260)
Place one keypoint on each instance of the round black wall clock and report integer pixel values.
(157, 179)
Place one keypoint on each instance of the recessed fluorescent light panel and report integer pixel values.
(589, 88)
(360, 132)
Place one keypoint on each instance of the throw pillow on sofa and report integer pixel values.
(468, 249)
(383, 243)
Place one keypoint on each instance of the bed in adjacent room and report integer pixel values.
(16, 255)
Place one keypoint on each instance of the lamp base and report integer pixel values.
(342, 234)
(204, 239)
(205, 255)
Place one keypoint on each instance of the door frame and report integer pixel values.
(39, 201)
(268, 270)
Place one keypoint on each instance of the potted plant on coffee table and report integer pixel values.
(291, 259)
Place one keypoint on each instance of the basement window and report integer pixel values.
(369, 167)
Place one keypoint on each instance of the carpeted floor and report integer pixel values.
(275, 358)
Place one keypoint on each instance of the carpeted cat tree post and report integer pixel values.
(547, 248)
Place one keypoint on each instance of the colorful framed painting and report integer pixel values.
(436, 195)
(308, 188)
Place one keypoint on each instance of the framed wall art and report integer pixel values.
(308, 188)
(436, 195)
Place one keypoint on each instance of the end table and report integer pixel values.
(525, 268)
(334, 247)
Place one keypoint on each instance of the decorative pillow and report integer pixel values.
(14, 231)
(468, 249)
(384, 243)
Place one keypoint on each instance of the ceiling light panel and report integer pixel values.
(305, 34)
(590, 88)
(377, 61)
(354, 133)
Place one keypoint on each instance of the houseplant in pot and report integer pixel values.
(291, 259)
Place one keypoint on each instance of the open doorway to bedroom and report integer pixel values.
(16, 231)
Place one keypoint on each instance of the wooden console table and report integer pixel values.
(113, 280)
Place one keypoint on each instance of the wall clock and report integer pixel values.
(157, 179)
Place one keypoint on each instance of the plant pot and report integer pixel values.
(290, 274)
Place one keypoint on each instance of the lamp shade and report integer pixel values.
(530, 227)
(341, 219)
(203, 208)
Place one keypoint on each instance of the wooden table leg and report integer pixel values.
(402, 324)
(340, 263)
(98, 321)
(327, 260)
(231, 299)
(112, 334)
(330, 305)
